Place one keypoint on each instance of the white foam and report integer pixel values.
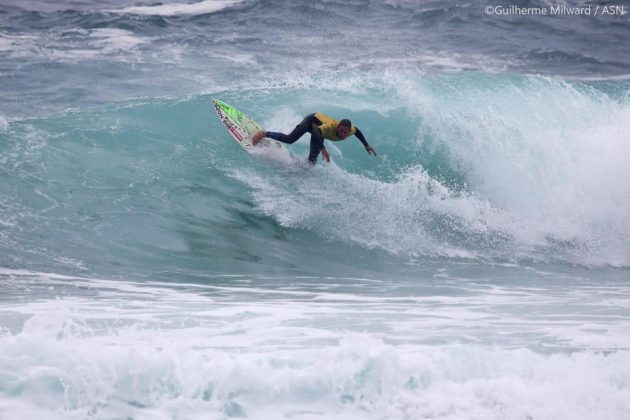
(174, 9)
(110, 40)
(75, 45)
(388, 215)
(619, 77)
(550, 154)
(112, 349)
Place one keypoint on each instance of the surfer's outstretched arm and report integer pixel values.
(361, 137)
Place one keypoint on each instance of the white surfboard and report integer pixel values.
(242, 128)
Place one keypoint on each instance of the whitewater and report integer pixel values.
(477, 268)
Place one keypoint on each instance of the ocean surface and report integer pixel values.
(477, 268)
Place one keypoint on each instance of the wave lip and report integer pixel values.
(200, 8)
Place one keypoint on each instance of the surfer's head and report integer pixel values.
(344, 128)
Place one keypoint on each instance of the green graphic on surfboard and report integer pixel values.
(241, 128)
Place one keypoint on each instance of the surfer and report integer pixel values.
(321, 127)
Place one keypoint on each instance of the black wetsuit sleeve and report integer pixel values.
(360, 136)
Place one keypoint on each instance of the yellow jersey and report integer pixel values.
(329, 127)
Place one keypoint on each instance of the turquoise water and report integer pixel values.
(476, 268)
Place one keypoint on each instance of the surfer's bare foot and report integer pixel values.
(258, 136)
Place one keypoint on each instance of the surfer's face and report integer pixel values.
(343, 131)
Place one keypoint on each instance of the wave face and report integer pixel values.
(476, 268)
(470, 165)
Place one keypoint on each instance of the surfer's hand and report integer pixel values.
(370, 150)
(326, 155)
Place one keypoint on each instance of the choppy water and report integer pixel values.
(477, 268)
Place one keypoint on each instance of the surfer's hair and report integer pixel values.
(346, 123)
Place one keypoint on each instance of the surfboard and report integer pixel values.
(242, 128)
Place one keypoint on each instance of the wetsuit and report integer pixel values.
(321, 127)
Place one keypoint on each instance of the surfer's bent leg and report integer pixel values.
(297, 132)
(317, 143)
